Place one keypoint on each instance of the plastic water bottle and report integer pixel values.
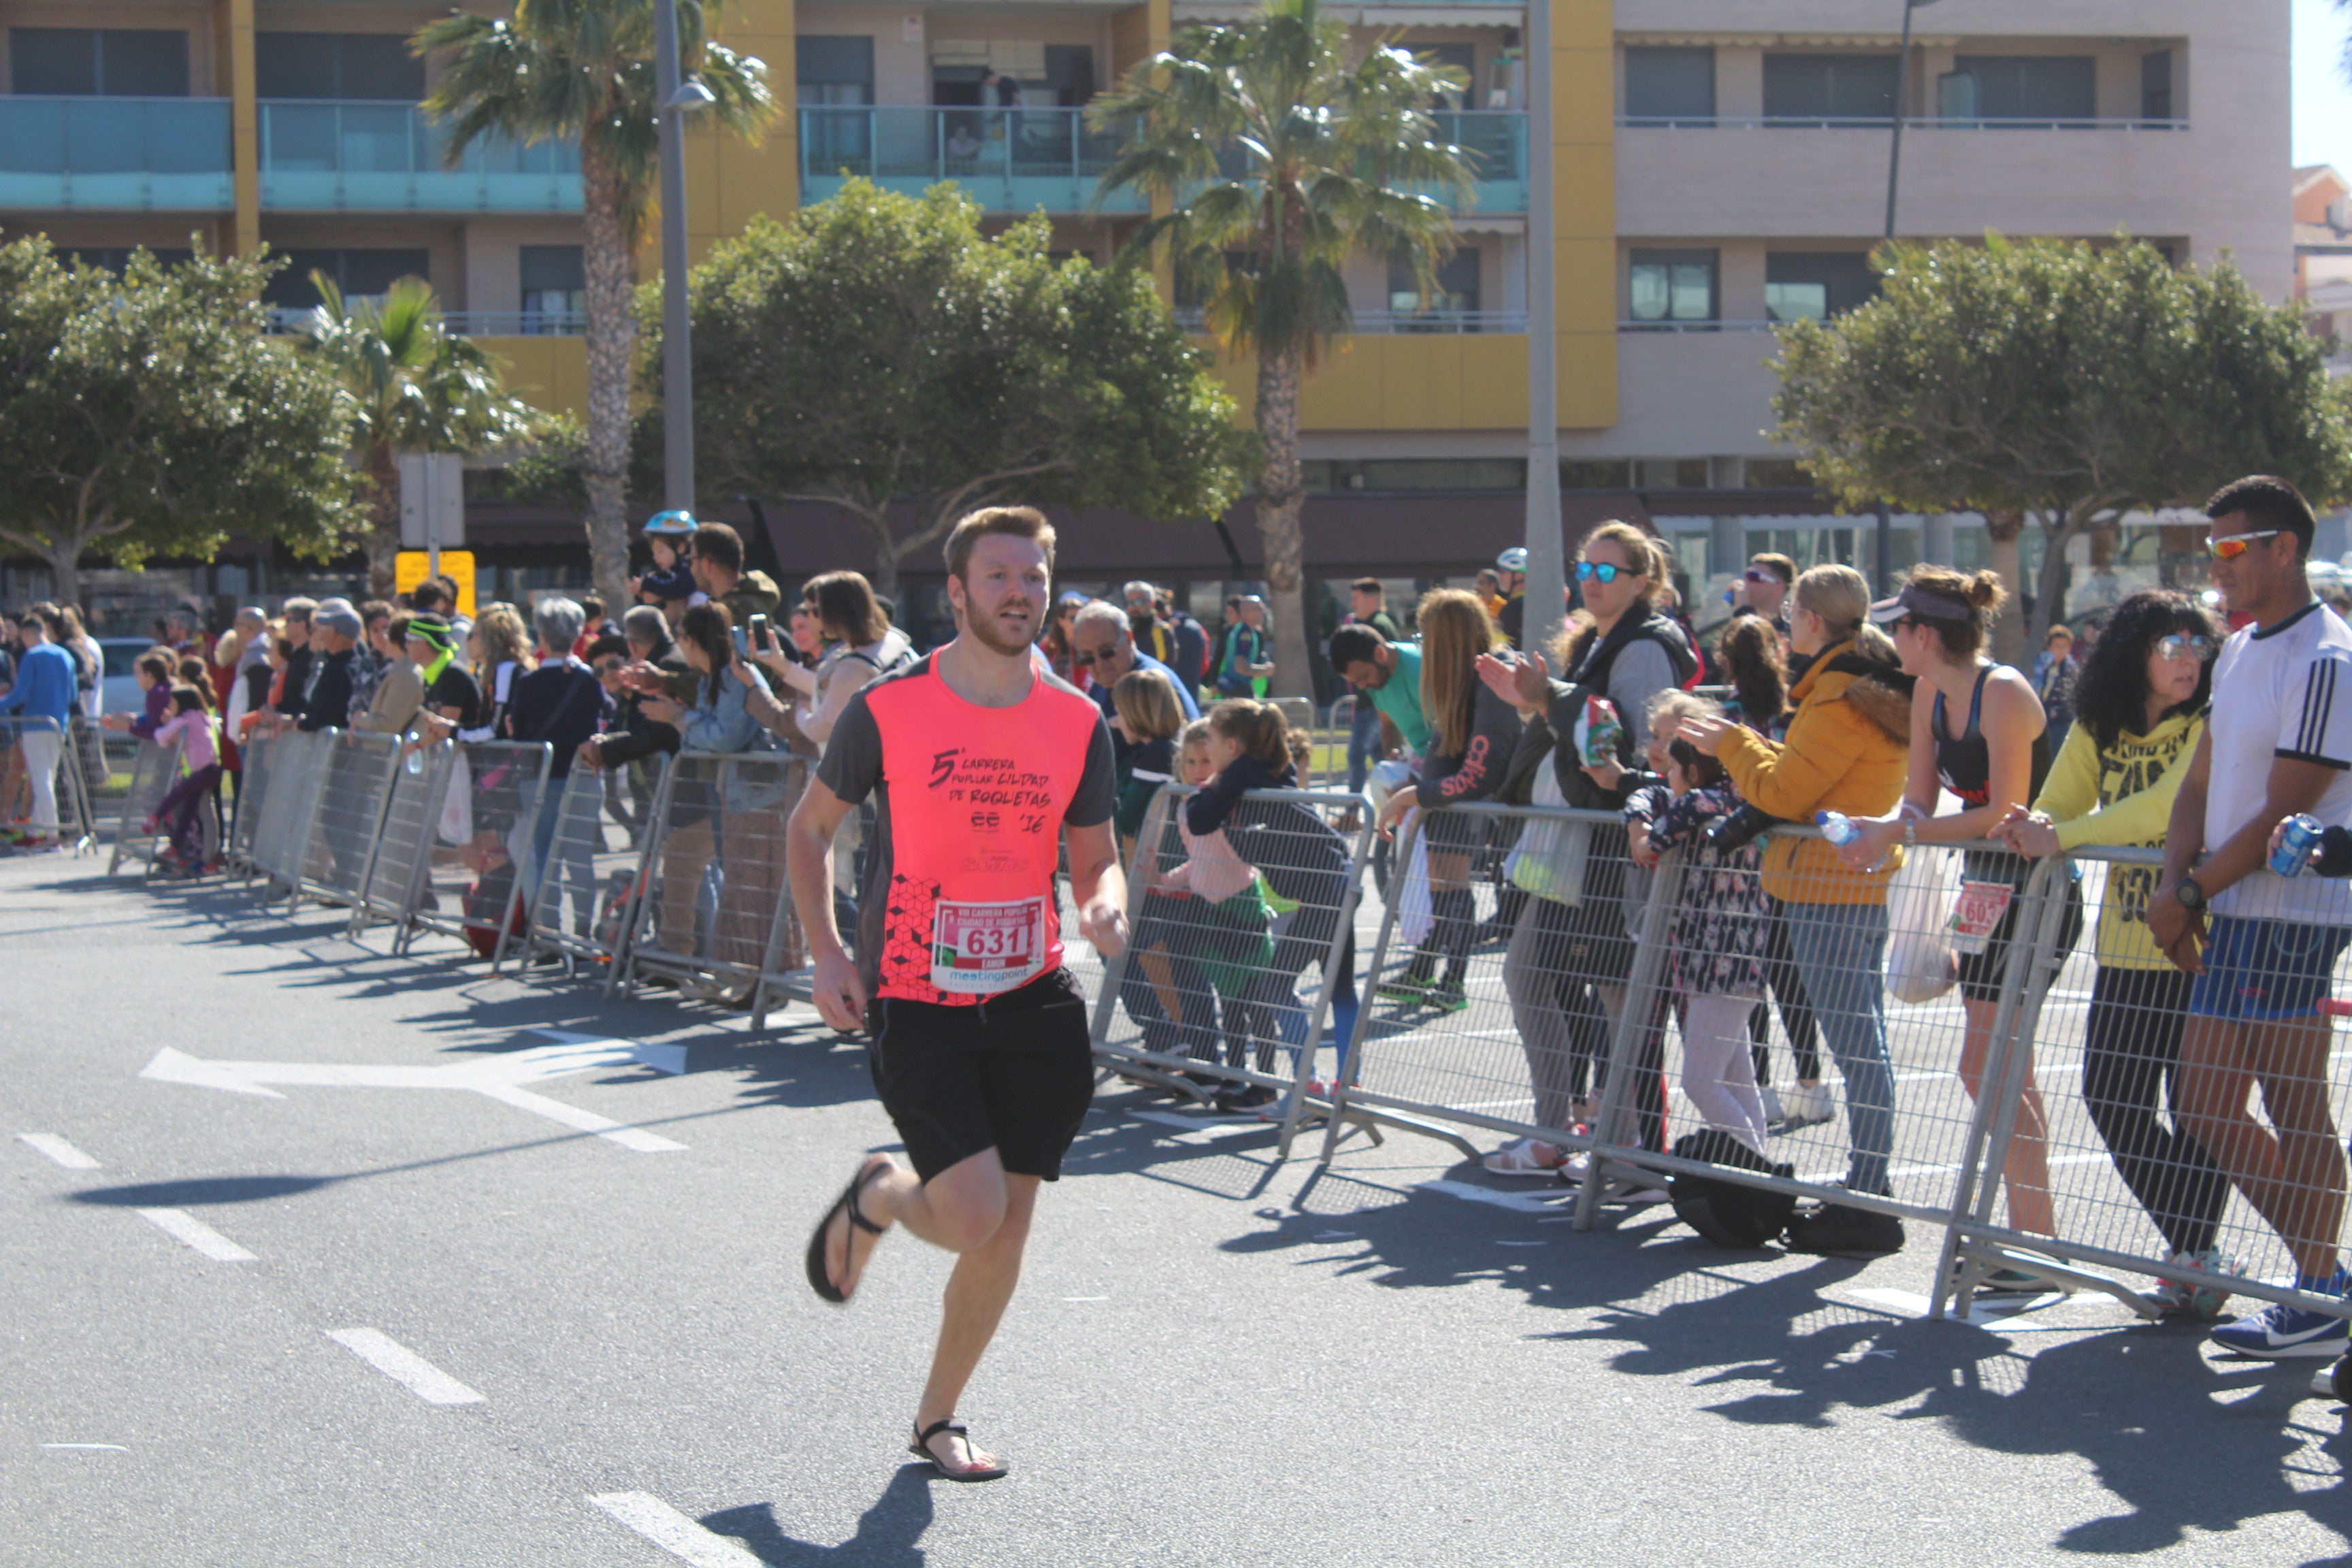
(2296, 844)
(1836, 826)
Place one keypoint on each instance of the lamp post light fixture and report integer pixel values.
(677, 100)
(1883, 572)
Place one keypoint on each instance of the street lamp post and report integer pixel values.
(1545, 606)
(1882, 567)
(678, 99)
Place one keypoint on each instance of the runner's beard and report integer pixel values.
(985, 631)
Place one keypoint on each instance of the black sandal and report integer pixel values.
(921, 1448)
(819, 1280)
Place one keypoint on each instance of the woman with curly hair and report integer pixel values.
(2139, 709)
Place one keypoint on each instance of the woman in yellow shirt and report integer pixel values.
(2139, 710)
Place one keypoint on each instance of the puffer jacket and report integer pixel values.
(1848, 750)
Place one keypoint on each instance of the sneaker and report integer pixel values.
(1445, 998)
(37, 844)
(1237, 1098)
(2176, 1299)
(1403, 989)
(2334, 1381)
(1523, 1157)
(1807, 1105)
(1837, 1230)
(2281, 1332)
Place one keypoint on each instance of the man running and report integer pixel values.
(979, 1047)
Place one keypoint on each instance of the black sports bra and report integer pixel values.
(1965, 765)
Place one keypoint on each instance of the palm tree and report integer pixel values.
(582, 69)
(1279, 154)
(415, 387)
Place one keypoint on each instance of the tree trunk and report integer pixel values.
(382, 499)
(609, 273)
(1280, 494)
(2002, 530)
(64, 573)
(2051, 588)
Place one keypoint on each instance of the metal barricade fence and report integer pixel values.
(355, 779)
(583, 906)
(281, 830)
(477, 843)
(395, 875)
(154, 770)
(2127, 1121)
(1236, 957)
(713, 916)
(258, 755)
(41, 779)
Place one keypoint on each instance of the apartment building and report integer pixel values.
(1719, 165)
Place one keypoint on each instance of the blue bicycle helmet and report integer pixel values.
(673, 523)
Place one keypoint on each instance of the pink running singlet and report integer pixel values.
(957, 901)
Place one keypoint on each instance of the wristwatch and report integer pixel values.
(2190, 895)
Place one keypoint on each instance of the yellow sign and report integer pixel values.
(457, 565)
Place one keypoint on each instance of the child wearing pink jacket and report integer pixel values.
(189, 725)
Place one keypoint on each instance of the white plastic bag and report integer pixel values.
(457, 804)
(1921, 962)
(1551, 854)
(1416, 915)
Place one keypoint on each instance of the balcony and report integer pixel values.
(139, 154)
(1822, 179)
(326, 157)
(1022, 159)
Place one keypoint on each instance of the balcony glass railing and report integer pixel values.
(328, 156)
(1879, 122)
(137, 153)
(1019, 160)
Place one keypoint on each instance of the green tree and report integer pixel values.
(2061, 384)
(877, 350)
(415, 387)
(1281, 152)
(582, 70)
(149, 415)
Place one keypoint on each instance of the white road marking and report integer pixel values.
(405, 1366)
(1524, 1203)
(499, 1077)
(1908, 1303)
(1199, 1130)
(89, 1447)
(58, 1150)
(673, 1531)
(182, 1226)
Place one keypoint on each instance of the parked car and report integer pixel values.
(117, 687)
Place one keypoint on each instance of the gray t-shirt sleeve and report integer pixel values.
(1098, 795)
(1641, 672)
(852, 765)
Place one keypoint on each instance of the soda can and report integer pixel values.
(2295, 844)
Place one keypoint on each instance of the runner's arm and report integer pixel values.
(1098, 884)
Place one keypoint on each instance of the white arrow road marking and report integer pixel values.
(405, 1366)
(673, 1531)
(182, 1226)
(501, 1078)
(58, 1150)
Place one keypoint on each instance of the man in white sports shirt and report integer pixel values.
(981, 764)
(2279, 743)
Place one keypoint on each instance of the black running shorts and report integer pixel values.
(1015, 1073)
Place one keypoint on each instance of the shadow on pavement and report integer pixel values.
(885, 1538)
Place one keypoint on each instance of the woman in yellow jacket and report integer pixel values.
(2139, 709)
(1846, 751)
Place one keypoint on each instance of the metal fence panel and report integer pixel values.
(154, 772)
(258, 756)
(714, 909)
(482, 842)
(2130, 1126)
(281, 830)
(396, 873)
(583, 905)
(1241, 949)
(355, 781)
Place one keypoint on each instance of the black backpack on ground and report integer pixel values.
(1726, 1213)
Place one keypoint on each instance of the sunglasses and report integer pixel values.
(2183, 644)
(1602, 571)
(1757, 575)
(2236, 544)
(1081, 657)
(606, 667)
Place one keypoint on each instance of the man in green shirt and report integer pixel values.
(1389, 673)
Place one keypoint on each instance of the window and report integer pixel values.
(1455, 290)
(1416, 474)
(1669, 83)
(832, 69)
(111, 62)
(1596, 474)
(2033, 87)
(360, 274)
(1670, 286)
(1672, 473)
(1462, 57)
(2156, 85)
(1777, 474)
(1070, 74)
(337, 65)
(1813, 285)
(114, 259)
(554, 287)
(1828, 86)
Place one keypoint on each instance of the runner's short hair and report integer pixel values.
(1777, 564)
(2268, 501)
(1020, 521)
(1367, 586)
(1356, 643)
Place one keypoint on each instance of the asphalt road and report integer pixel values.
(432, 1313)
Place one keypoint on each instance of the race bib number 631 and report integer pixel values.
(987, 947)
